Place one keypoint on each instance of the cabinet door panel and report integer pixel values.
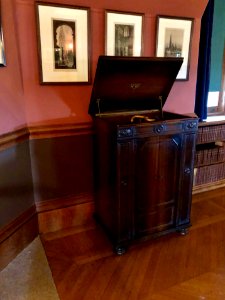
(157, 174)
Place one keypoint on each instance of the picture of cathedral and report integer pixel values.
(173, 42)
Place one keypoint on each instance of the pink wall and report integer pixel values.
(24, 100)
(12, 106)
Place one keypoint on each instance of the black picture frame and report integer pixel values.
(123, 33)
(173, 39)
(63, 43)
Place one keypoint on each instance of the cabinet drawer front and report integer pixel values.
(157, 129)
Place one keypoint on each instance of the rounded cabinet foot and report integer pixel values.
(184, 231)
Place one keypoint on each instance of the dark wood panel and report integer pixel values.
(16, 186)
(62, 167)
(61, 161)
(158, 171)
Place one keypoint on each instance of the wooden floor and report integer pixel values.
(172, 267)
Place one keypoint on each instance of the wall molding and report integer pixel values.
(18, 234)
(63, 202)
(12, 138)
(22, 134)
(13, 226)
(60, 130)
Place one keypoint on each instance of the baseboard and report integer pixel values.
(208, 187)
(79, 215)
(17, 235)
(22, 231)
(63, 202)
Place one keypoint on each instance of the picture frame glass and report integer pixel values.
(123, 34)
(63, 40)
(64, 33)
(174, 40)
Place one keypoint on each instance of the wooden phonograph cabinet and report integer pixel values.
(143, 155)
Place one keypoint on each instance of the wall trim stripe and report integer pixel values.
(44, 131)
(63, 202)
(14, 137)
(60, 130)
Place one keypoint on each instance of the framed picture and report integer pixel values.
(2, 49)
(174, 40)
(123, 34)
(63, 43)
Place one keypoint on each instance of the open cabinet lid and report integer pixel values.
(132, 83)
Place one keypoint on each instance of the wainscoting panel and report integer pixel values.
(62, 167)
(16, 187)
(46, 183)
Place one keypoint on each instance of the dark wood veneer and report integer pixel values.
(144, 177)
(59, 130)
(144, 156)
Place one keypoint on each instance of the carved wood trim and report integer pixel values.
(9, 139)
(42, 132)
(59, 130)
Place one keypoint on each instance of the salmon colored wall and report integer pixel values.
(12, 105)
(24, 100)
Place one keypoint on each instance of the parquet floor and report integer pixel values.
(172, 267)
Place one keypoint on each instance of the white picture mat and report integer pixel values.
(124, 19)
(186, 25)
(80, 17)
(1, 53)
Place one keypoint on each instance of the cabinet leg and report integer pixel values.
(184, 231)
(120, 250)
